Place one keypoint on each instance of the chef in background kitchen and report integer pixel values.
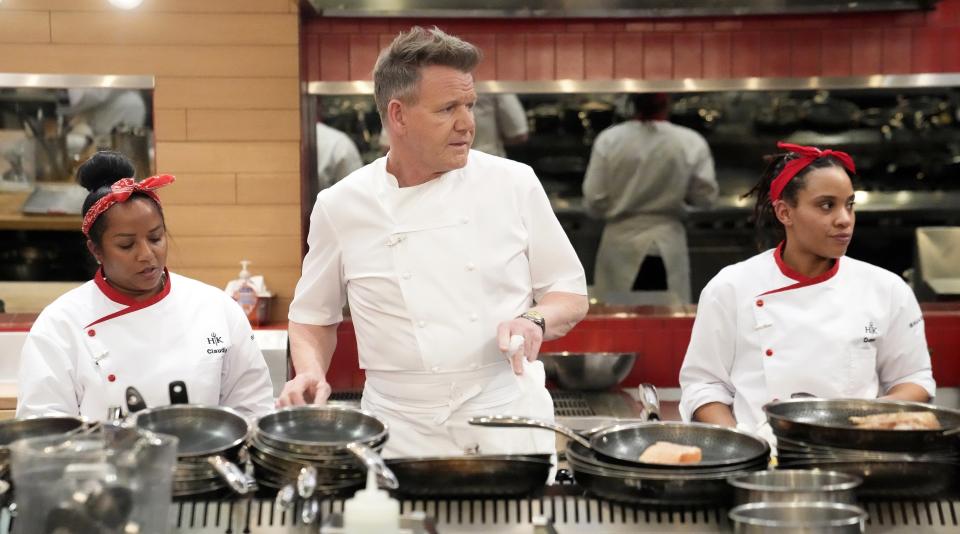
(643, 175)
(444, 254)
(803, 317)
(337, 156)
(136, 323)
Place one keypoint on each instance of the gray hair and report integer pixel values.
(397, 71)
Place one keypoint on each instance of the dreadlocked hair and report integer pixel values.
(769, 230)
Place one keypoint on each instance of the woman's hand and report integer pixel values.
(716, 413)
(305, 388)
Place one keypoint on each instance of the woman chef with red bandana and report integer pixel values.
(802, 317)
(136, 324)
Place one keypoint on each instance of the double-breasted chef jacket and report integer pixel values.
(764, 332)
(93, 342)
(642, 178)
(429, 272)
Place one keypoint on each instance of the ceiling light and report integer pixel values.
(125, 4)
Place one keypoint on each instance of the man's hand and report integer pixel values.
(305, 388)
(532, 338)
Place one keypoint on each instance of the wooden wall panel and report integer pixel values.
(260, 61)
(220, 251)
(25, 27)
(160, 6)
(226, 115)
(195, 156)
(227, 93)
(236, 221)
(269, 188)
(137, 27)
(170, 124)
(243, 125)
(200, 189)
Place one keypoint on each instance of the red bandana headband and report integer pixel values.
(807, 155)
(120, 191)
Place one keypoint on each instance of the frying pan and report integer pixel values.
(206, 433)
(664, 487)
(590, 458)
(471, 476)
(625, 443)
(319, 430)
(891, 479)
(827, 422)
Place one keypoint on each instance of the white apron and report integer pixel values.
(627, 242)
(427, 413)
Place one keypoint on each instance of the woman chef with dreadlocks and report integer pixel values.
(136, 324)
(802, 317)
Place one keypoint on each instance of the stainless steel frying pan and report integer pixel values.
(625, 443)
(827, 422)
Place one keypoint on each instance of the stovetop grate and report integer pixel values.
(565, 403)
(564, 506)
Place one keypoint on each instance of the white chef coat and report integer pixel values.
(641, 178)
(93, 342)
(105, 109)
(498, 117)
(430, 271)
(764, 332)
(337, 156)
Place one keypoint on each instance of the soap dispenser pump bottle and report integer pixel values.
(246, 294)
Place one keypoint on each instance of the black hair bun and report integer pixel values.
(103, 169)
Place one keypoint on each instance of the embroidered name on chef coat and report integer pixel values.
(213, 342)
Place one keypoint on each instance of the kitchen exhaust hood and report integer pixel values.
(602, 8)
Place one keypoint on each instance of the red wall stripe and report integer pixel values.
(713, 47)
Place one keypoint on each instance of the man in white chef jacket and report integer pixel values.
(444, 254)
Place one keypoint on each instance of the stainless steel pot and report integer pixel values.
(795, 485)
(587, 371)
(798, 518)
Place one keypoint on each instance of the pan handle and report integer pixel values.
(512, 420)
(233, 475)
(178, 392)
(649, 401)
(134, 399)
(951, 432)
(374, 463)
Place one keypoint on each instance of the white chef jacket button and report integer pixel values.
(406, 276)
(435, 369)
(421, 324)
(474, 317)
(471, 266)
(464, 220)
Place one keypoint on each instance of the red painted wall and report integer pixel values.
(599, 49)
(661, 341)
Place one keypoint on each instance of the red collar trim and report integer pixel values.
(802, 281)
(120, 298)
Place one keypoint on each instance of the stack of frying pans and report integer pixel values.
(211, 442)
(607, 462)
(818, 433)
(330, 439)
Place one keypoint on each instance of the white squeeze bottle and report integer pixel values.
(246, 294)
(371, 510)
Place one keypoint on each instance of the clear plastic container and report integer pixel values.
(118, 479)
